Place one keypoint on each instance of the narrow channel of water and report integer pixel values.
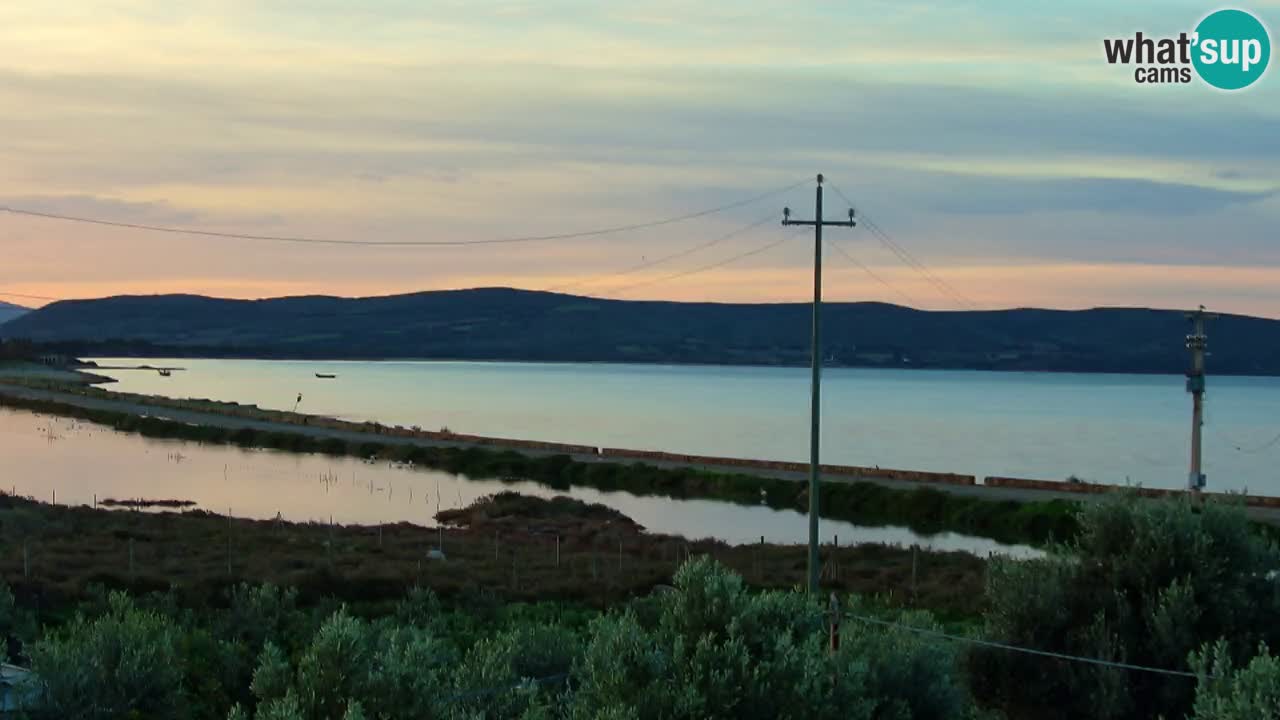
(76, 461)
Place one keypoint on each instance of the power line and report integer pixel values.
(907, 258)
(667, 258)
(399, 243)
(30, 297)
(689, 251)
(1029, 651)
(703, 268)
(486, 692)
(942, 285)
(874, 275)
(1239, 447)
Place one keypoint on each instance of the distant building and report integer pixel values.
(880, 358)
(55, 360)
(19, 690)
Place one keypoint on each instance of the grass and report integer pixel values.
(924, 510)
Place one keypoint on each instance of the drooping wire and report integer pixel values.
(30, 297)
(927, 632)
(666, 258)
(704, 268)
(401, 243)
(1028, 651)
(906, 257)
(560, 288)
(872, 273)
(1239, 447)
(487, 692)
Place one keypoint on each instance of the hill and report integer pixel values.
(9, 311)
(506, 324)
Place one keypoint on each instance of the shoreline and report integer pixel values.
(994, 487)
(1007, 510)
(672, 363)
(921, 507)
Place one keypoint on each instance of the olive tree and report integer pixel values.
(718, 651)
(1144, 582)
(125, 661)
(353, 668)
(1229, 692)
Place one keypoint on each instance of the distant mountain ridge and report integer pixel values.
(508, 324)
(9, 311)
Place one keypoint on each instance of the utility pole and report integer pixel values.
(815, 398)
(1197, 342)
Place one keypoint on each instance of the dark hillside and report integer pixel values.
(506, 324)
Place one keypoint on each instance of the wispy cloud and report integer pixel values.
(983, 135)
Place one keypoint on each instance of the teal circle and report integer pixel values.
(1236, 36)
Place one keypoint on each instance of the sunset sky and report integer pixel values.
(990, 139)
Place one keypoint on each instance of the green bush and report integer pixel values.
(1144, 582)
(124, 662)
(717, 651)
(352, 668)
(1227, 693)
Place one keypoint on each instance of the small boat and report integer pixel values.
(164, 372)
(325, 376)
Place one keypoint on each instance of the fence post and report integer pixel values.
(760, 561)
(131, 575)
(835, 557)
(913, 573)
(835, 624)
(26, 560)
(557, 551)
(228, 543)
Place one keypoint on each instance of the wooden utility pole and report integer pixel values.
(1197, 343)
(815, 397)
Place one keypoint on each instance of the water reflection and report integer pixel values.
(76, 462)
(1118, 429)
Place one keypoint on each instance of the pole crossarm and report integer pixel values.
(825, 223)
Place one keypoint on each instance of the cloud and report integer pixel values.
(981, 134)
(1110, 196)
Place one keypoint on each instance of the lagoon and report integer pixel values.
(1097, 427)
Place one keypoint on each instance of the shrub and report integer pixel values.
(123, 662)
(1225, 693)
(353, 668)
(1145, 582)
(719, 652)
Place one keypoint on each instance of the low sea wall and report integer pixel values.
(1084, 488)
(784, 466)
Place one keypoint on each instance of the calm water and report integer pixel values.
(1105, 428)
(47, 455)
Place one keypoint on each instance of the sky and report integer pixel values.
(989, 139)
